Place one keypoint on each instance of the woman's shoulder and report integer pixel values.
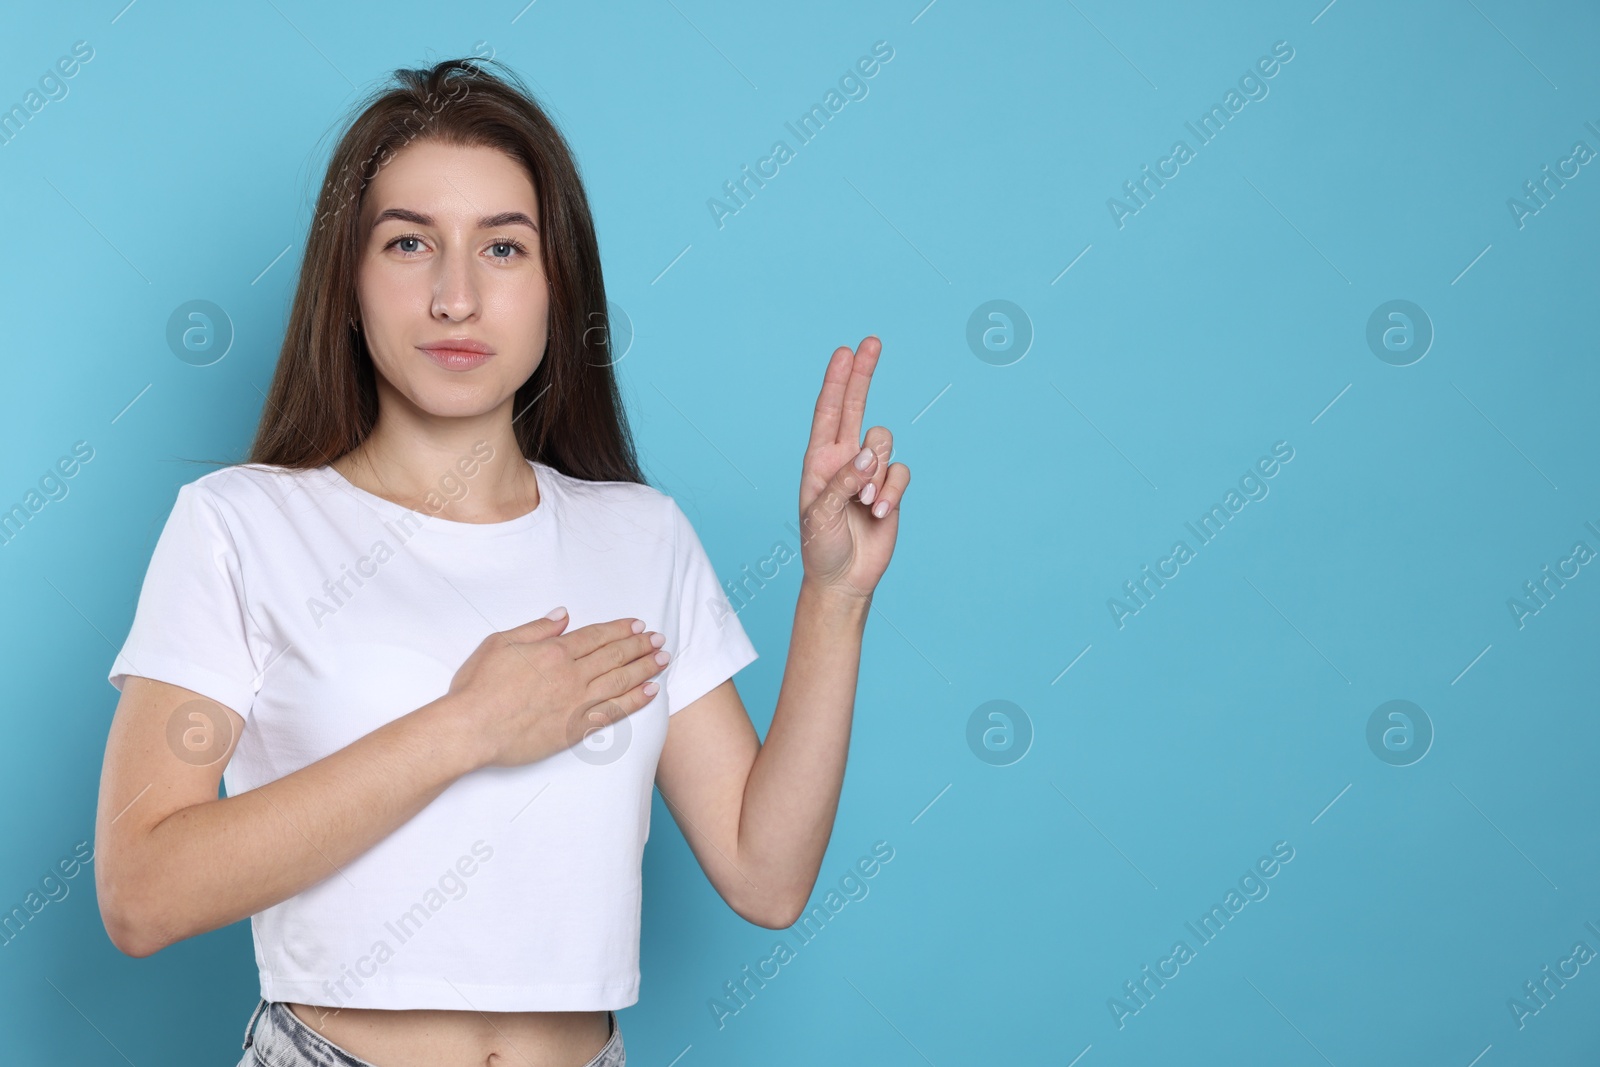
(247, 488)
(607, 494)
(626, 508)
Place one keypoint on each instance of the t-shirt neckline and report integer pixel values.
(389, 509)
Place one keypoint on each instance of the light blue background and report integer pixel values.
(1230, 313)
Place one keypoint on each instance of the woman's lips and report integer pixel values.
(456, 359)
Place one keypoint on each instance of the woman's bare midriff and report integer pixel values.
(418, 1038)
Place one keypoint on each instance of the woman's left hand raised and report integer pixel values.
(849, 516)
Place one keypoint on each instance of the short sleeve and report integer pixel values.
(191, 626)
(712, 645)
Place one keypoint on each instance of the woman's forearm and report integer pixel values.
(792, 793)
(214, 863)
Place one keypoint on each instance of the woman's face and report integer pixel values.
(451, 251)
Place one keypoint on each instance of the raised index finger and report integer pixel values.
(855, 392)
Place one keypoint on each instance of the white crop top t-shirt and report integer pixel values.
(319, 612)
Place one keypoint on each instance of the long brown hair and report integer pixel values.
(323, 401)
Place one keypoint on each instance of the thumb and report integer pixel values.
(538, 629)
(827, 511)
(851, 477)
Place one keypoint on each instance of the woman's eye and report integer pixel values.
(511, 248)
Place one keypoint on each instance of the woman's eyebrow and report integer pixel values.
(488, 222)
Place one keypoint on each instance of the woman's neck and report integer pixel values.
(476, 482)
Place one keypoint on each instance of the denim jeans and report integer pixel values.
(275, 1037)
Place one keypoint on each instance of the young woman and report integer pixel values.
(438, 788)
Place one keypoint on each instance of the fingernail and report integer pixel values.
(869, 492)
(557, 613)
(662, 657)
(651, 688)
(864, 460)
(638, 626)
(882, 509)
(657, 640)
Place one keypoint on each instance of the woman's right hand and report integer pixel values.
(532, 691)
